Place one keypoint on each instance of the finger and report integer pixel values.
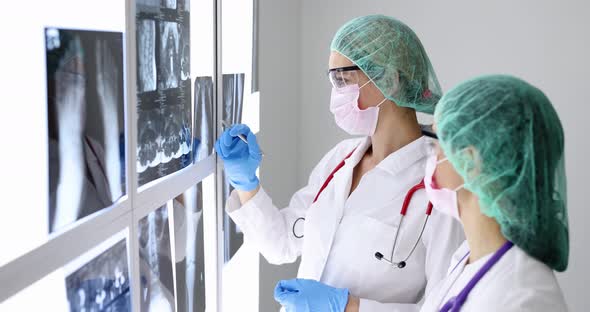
(219, 150)
(253, 147)
(239, 129)
(292, 285)
(227, 139)
(283, 293)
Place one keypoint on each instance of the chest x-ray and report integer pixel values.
(164, 142)
(86, 121)
(155, 262)
(102, 284)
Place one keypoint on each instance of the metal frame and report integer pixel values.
(65, 246)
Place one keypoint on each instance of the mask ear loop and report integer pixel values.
(366, 83)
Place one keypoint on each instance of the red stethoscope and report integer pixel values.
(404, 209)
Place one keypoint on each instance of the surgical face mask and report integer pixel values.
(442, 199)
(345, 108)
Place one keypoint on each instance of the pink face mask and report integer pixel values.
(442, 199)
(345, 107)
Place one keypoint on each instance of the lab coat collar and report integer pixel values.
(406, 156)
(359, 152)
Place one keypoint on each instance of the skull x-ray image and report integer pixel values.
(169, 55)
(85, 107)
(164, 142)
(101, 284)
(155, 262)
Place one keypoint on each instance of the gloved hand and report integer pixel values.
(240, 160)
(305, 295)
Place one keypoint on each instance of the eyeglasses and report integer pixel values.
(428, 131)
(344, 76)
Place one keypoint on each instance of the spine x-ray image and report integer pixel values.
(164, 142)
(155, 262)
(86, 122)
(101, 284)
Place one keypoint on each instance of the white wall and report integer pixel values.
(544, 42)
(279, 110)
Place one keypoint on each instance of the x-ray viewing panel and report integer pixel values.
(155, 262)
(85, 105)
(164, 111)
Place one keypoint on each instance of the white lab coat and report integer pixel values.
(342, 232)
(517, 282)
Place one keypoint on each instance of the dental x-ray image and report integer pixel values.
(102, 284)
(164, 142)
(155, 262)
(86, 138)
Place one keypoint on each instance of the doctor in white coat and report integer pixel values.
(350, 208)
(500, 171)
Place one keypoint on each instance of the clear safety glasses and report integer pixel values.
(344, 76)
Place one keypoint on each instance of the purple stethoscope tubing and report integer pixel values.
(454, 304)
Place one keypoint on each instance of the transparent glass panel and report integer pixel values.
(202, 33)
(164, 111)
(85, 104)
(155, 262)
(98, 280)
(189, 244)
(46, 292)
(240, 55)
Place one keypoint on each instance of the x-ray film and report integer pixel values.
(164, 110)
(85, 107)
(155, 262)
(102, 284)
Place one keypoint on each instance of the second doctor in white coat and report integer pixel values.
(500, 171)
(350, 208)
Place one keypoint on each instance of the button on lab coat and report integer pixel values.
(342, 232)
(517, 282)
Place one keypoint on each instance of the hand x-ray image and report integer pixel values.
(155, 262)
(86, 123)
(190, 265)
(164, 142)
(101, 284)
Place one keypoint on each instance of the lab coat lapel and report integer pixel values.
(331, 211)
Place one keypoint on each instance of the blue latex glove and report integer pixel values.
(305, 295)
(240, 160)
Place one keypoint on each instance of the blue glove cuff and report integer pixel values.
(246, 186)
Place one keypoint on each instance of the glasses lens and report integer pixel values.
(341, 79)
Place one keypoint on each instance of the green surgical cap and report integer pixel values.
(390, 54)
(504, 138)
